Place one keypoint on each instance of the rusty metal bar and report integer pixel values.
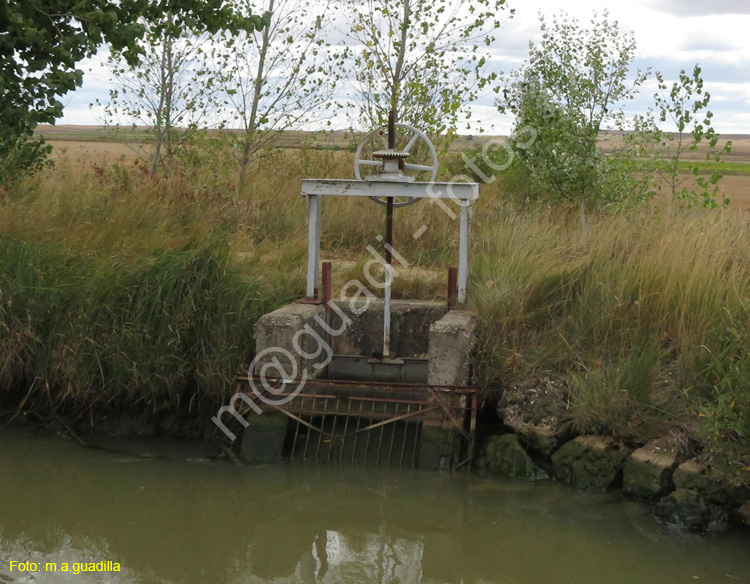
(327, 290)
(382, 429)
(406, 435)
(367, 385)
(452, 287)
(322, 425)
(298, 419)
(401, 417)
(356, 434)
(333, 431)
(393, 437)
(346, 427)
(367, 445)
(294, 440)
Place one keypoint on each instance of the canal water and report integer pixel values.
(191, 520)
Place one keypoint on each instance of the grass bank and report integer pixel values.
(119, 289)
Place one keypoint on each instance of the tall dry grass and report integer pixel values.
(119, 287)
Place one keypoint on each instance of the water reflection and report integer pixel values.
(177, 521)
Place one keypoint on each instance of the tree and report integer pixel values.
(573, 86)
(44, 40)
(279, 78)
(685, 104)
(170, 90)
(421, 58)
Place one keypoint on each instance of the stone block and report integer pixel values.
(687, 510)
(648, 472)
(504, 455)
(590, 462)
(712, 485)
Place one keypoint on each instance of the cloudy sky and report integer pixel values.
(671, 35)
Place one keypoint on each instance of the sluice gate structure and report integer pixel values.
(360, 379)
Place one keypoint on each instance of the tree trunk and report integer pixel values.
(251, 125)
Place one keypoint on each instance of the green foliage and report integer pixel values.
(44, 40)
(422, 58)
(725, 409)
(21, 154)
(573, 86)
(167, 331)
(685, 104)
(618, 399)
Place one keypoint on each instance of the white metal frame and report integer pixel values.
(465, 194)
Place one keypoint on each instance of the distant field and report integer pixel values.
(86, 145)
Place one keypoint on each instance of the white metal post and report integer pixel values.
(319, 228)
(313, 243)
(463, 251)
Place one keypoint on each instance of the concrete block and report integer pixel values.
(435, 451)
(453, 340)
(263, 439)
(410, 327)
(277, 330)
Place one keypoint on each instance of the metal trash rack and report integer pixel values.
(337, 421)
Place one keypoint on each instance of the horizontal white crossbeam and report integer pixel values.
(414, 190)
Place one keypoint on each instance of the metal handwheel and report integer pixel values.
(413, 137)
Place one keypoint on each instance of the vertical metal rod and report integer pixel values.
(369, 432)
(452, 287)
(346, 428)
(388, 247)
(450, 449)
(296, 432)
(382, 429)
(387, 311)
(327, 286)
(327, 292)
(313, 243)
(473, 426)
(393, 436)
(356, 435)
(333, 429)
(322, 429)
(307, 438)
(416, 441)
(406, 434)
(463, 252)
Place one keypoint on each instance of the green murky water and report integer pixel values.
(196, 521)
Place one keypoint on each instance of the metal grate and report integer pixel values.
(334, 421)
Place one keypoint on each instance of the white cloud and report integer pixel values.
(701, 7)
